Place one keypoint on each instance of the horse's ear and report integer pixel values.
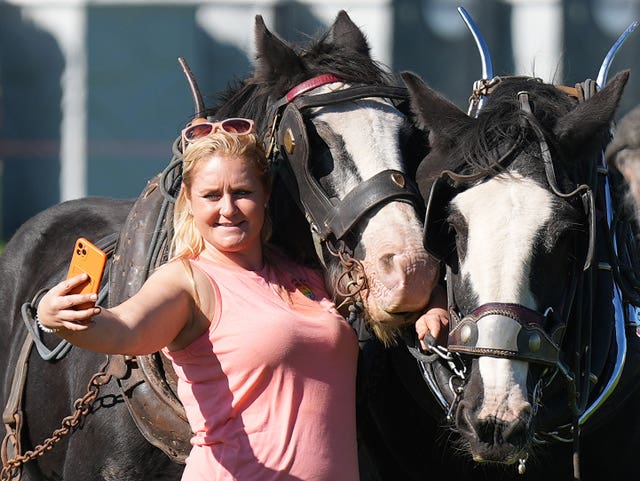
(274, 58)
(444, 120)
(590, 118)
(346, 34)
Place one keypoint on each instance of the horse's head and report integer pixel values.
(512, 219)
(623, 154)
(345, 155)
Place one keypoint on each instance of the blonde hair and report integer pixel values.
(187, 240)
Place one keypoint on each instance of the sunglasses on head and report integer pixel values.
(235, 126)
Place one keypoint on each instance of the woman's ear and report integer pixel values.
(187, 196)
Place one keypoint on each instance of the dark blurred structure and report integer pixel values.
(92, 96)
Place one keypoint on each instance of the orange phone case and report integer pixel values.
(89, 259)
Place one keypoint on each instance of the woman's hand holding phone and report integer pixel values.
(90, 260)
(71, 303)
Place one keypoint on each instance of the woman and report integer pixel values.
(266, 364)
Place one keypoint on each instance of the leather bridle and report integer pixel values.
(288, 149)
(525, 334)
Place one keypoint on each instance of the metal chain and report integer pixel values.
(457, 380)
(82, 407)
(352, 277)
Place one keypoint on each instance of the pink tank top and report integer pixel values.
(269, 390)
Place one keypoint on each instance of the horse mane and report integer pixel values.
(502, 129)
(252, 96)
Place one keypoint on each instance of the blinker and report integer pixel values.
(327, 217)
(439, 239)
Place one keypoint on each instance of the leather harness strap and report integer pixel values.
(12, 416)
(330, 218)
(309, 85)
(517, 333)
(571, 91)
(487, 86)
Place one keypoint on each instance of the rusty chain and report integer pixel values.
(82, 408)
(352, 277)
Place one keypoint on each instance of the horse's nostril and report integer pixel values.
(490, 432)
(463, 420)
(515, 433)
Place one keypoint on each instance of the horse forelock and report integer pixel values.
(503, 126)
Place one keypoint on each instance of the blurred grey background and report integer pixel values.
(92, 96)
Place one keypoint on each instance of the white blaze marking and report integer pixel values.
(504, 383)
(504, 216)
(370, 134)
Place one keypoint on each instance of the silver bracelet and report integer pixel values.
(49, 330)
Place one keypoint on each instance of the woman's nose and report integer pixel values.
(228, 206)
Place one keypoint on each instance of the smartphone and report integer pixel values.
(91, 260)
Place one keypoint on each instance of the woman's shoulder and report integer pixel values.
(167, 283)
(174, 272)
(171, 267)
(187, 274)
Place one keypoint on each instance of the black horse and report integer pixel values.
(44, 393)
(543, 356)
(344, 154)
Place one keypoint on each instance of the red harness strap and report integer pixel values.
(310, 84)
